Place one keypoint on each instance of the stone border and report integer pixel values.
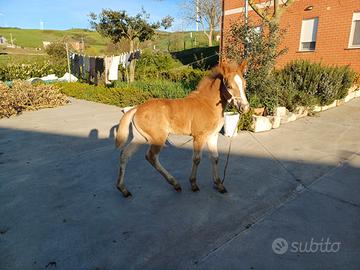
(282, 115)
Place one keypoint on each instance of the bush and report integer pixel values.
(158, 88)
(26, 71)
(303, 83)
(23, 96)
(162, 66)
(114, 96)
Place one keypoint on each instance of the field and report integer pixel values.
(33, 38)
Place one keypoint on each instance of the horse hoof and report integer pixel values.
(195, 188)
(125, 192)
(177, 188)
(220, 188)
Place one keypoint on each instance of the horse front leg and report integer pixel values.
(153, 157)
(198, 146)
(214, 157)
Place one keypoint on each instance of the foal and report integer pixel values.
(200, 114)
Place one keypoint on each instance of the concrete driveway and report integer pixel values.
(293, 200)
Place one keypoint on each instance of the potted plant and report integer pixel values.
(257, 105)
(231, 120)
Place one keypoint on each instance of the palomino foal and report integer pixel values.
(200, 114)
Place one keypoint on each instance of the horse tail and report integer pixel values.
(123, 131)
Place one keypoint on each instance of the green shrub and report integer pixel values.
(158, 88)
(23, 96)
(26, 71)
(246, 121)
(122, 97)
(155, 65)
(162, 66)
(303, 83)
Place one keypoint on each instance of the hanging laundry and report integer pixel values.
(114, 67)
(126, 60)
(81, 66)
(107, 62)
(75, 67)
(86, 68)
(137, 54)
(92, 70)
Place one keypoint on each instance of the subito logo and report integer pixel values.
(280, 246)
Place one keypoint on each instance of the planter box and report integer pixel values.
(326, 107)
(350, 96)
(261, 123)
(275, 121)
(231, 121)
(300, 112)
(280, 111)
(289, 117)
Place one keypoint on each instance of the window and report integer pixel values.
(308, 34)
(354, 41)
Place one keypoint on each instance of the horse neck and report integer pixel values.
(209, 90)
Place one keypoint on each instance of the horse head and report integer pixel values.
(233, 85)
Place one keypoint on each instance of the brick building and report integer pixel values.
(318, 30)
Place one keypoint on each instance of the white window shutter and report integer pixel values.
(309, 30)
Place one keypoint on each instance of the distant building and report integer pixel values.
(46, 43)
(3, 40)
(318, 30)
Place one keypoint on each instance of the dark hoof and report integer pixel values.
(195, 188)
(177, 188)
(222, 190)
(125, 192)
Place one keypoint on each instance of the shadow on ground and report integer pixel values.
(60, 207)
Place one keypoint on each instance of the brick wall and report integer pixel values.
(335, 19)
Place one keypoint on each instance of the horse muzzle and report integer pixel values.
(243, 108)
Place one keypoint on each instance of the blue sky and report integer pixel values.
(66, 14)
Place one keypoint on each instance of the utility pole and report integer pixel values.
(68, 60)
(197, 15)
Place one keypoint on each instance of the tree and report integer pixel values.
(118, 25)
(205, 12)
(167, 22)
(270, 10)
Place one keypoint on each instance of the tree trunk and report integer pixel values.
(132, 64)
(210, 37)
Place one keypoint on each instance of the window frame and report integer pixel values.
(352, 30)
(301, 49)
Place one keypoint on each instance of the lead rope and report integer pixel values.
(228, 154)
(229, 148)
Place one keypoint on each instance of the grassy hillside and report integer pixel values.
(33, 38)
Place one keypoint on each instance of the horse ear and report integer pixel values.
(243, 66)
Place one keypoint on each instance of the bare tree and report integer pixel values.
(270, 10)
(205, 12)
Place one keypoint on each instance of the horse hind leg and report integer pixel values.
(153, 157)
(126, 154)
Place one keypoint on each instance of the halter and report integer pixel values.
(228, 93)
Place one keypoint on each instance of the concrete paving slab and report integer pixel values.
(59, 203)
(304, 225)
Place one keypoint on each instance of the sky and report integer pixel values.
(66, 14)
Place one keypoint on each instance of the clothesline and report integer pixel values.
(90, 68)
(104, 56)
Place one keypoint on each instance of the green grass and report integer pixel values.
(33, 38)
